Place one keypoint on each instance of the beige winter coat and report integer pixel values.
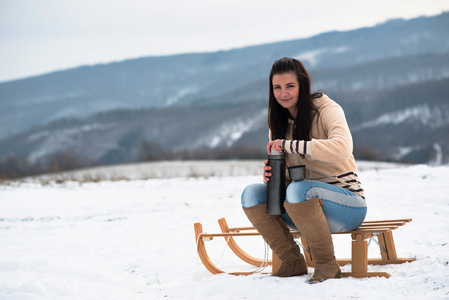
(328, 155)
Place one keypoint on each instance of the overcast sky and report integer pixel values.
(39, 36)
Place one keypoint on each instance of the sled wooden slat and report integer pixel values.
(359, 258)
(235, 248)
(203, 253)
(401, 221)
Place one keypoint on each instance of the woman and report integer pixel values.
(311, 130)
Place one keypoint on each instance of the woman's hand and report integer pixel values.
(276, 145)
(266, 171)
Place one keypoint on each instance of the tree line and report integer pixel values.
(13, 167)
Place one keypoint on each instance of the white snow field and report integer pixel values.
(134, 239)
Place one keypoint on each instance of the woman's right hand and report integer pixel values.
(266, 171)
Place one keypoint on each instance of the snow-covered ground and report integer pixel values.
(134, 239)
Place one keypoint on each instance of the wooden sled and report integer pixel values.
(359, 260)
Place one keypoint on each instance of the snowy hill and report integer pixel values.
(134, 239)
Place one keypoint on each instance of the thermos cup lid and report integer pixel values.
(297, 173)
(274, 152)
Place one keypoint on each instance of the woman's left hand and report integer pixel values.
(276, 145)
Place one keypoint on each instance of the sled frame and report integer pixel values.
(359, 252)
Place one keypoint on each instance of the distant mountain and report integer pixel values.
(391, 79)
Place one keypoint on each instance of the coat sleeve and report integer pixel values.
(336, 147)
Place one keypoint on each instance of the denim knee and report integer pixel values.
(297, 191)
(254, 194)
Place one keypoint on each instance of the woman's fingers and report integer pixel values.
(269, 145)
(266, 168)
(276, 145)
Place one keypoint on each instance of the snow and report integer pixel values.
(59, 140)
(166, 169)
(310, 56)
(313, 56)
(39, 135)
(438, 160)
(432, 117)
(49, 99)
(230, 132)
(134, 239)
(181, 93)
(382, 80)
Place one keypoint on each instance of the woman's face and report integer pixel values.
(286, 91)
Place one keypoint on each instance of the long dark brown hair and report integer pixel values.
(278, 115)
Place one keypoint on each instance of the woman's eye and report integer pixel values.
(277, 87)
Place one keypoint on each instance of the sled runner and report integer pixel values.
(359, 260)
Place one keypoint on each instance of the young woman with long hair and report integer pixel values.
(311, 130)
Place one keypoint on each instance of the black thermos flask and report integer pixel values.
(276, 184)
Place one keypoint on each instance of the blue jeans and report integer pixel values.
(344, 210)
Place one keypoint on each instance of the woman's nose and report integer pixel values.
(284, 93)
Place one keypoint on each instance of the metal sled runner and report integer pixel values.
(359, 260)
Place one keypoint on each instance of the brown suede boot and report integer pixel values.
(309, 218)
(277, 235)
